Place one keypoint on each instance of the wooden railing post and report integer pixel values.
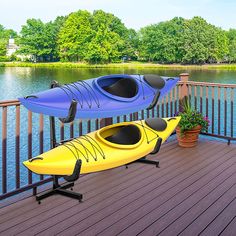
(184, 88)
(4, 149)
(105, 122)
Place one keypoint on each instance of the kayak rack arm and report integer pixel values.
(71, 114)
(157, 146)
(73, 106)
(146, 161)
(155, 100)
(76, 172)
(54, 84)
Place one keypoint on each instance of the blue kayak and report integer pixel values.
(101, 97)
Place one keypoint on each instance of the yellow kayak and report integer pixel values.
(109, 147)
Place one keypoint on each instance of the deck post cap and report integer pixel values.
(184, 76)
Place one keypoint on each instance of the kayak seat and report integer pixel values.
(154, 81)
(126, 135)
(157, 124)
(126, 88)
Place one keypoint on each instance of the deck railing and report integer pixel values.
(25, 134)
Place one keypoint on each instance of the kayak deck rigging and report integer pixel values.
(76, 151)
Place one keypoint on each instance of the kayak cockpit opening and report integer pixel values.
(157, 124)
(123, 135)
(126, 88)
(123, 86)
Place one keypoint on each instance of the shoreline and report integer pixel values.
(128, 65)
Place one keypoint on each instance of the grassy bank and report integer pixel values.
(119, 65)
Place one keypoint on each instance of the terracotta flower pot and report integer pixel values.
(189, 138)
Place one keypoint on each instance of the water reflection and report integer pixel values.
(20, 81)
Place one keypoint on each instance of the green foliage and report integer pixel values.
(184, 41)
(106, 42)
(203, 43)
(3, 47)
(39, 39)
(3, 58)
(160, 42)
(54, 28)
(75, 35)
(191, 118)
(132, 44)
(7, 33)
(35, 39)
(232, 45)
(101, 37)
(97, 38)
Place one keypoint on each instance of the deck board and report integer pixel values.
(154, 189)
(193, 192)
(65, 221)
(229, 229)
(220, 220)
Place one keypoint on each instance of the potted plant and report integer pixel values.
(191, 124)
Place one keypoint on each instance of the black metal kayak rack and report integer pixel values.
(57, 188)
(62, 189)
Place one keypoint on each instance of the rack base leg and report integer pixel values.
(145, 161)
(62, 190)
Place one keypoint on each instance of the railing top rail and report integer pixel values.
(7, 103)
(211, 84)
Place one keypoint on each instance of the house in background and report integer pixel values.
(11, 47)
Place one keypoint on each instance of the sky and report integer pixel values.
(133, 13)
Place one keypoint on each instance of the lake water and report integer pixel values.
(21, 81)
(18, 82)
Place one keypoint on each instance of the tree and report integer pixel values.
(107, 41)
(75, 36)
(131, 47)
(35, 39)
(54, 29)
(40, 39)
(160, 42)
(104, 47)
(179, 40)
(96, 38)
(3, 48)
(203, 42)
(231, 35)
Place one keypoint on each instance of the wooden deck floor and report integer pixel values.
(193, 193)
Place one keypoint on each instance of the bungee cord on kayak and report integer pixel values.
(144, 130)
(96, 148)
(91, 91)
(92, 96)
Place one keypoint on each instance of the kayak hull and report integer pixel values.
(97, 153)
(92, 100)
